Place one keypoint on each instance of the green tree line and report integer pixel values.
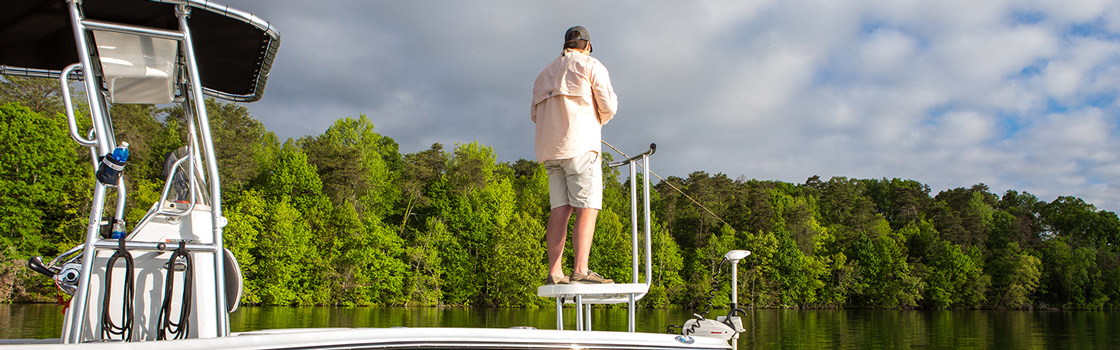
(345, 218)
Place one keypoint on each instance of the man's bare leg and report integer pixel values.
(582, 236)
(555, 235)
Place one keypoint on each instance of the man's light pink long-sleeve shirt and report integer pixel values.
(572, 100)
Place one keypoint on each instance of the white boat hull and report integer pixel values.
(418, 338)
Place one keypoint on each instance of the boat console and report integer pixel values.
(170, 276)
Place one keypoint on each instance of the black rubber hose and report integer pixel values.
(180, 329)
(109, 329)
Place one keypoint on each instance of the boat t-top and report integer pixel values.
(168, 282)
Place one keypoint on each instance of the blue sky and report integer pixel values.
(1015, 94)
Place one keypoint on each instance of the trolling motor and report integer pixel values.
(723, 327)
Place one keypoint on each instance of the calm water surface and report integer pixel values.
(766, 329)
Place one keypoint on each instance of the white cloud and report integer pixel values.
(964, 129)
(1073, 11)
(888, 53)
(1073, 134)
(979, 62)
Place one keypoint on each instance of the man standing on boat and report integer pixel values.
(572, 100)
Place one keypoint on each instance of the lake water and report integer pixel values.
(766, 329)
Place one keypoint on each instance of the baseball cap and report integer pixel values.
(578, 33)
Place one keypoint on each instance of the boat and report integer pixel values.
(169, 283)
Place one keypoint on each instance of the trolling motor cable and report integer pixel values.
(108, 327)
(713, 287)
(179, 329)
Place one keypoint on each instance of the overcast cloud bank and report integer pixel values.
(1015, 94)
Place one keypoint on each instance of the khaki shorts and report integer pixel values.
(577, 182)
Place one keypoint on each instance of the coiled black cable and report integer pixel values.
(109, 329)
(713, 288)
(180, 329)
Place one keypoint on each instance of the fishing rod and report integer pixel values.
(694, 201)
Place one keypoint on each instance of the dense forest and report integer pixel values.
(344, 218)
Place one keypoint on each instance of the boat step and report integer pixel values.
(616, 293)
